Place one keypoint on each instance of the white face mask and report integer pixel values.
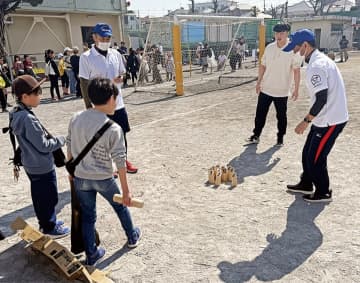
(104, 46)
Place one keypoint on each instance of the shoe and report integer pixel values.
(95, 258)
(318, 198)
(253, 139)
(133, 242)
(280, 142)
(301, 188)
(130, 168)
(58, 232)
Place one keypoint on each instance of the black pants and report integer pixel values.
(3, 100)
(65, 80)
(133, 77)
(54, 84)
(78, 89)
(262, 109)
(318, 145)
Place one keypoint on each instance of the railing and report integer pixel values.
(78, 5)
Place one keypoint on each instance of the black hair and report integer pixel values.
(312, 44)
(47, 54)
(100, 90)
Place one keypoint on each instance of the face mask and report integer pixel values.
(104, 46)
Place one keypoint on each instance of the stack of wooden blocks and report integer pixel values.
(223, 174)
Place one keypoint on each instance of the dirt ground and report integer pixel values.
(192, 232)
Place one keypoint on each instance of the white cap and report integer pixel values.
(67, 49)
(60, 55)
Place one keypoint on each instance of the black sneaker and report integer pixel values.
(300, 188)
(253, 139)
(280, 142)
(318, 198)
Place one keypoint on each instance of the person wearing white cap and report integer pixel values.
(63, 75)
(103, 61)
(75, 61)
(328, 114)
(72, 81)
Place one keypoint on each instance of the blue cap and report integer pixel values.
(299, 37)
(103, 29)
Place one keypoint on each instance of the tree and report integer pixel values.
(319, 6)
(7, 7)
(216, 6)
(192, 6)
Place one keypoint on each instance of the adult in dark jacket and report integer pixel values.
(75, 61)
(53, 73)
(132, 65)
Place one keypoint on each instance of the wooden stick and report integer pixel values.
(134, 202)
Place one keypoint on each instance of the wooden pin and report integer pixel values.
(234, 180)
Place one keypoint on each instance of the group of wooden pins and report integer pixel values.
(223, 174)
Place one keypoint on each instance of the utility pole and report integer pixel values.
(192, 6)
(264, 7)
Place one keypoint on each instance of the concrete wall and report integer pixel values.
(328, 39)
(52, 31)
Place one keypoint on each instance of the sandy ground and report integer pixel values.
(256, 232)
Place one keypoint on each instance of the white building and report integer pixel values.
(56, 24)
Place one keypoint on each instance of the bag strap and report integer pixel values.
(11, 134)
(96, 137)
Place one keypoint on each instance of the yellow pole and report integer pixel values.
(190, 61)
(178, 58)
(261, 39)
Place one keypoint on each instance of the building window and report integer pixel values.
(86, 33)
(336, 28)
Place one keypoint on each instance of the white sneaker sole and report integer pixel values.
(301, 192)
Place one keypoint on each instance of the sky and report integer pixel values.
(159, 8)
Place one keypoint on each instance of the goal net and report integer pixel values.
(217, 53)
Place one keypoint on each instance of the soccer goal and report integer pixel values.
(218, 52)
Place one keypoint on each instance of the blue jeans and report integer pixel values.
(86, 191)
(44, 196)
(72, 80)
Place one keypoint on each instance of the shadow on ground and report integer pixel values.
(28, 212)
(251, 163)
(285, 253)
